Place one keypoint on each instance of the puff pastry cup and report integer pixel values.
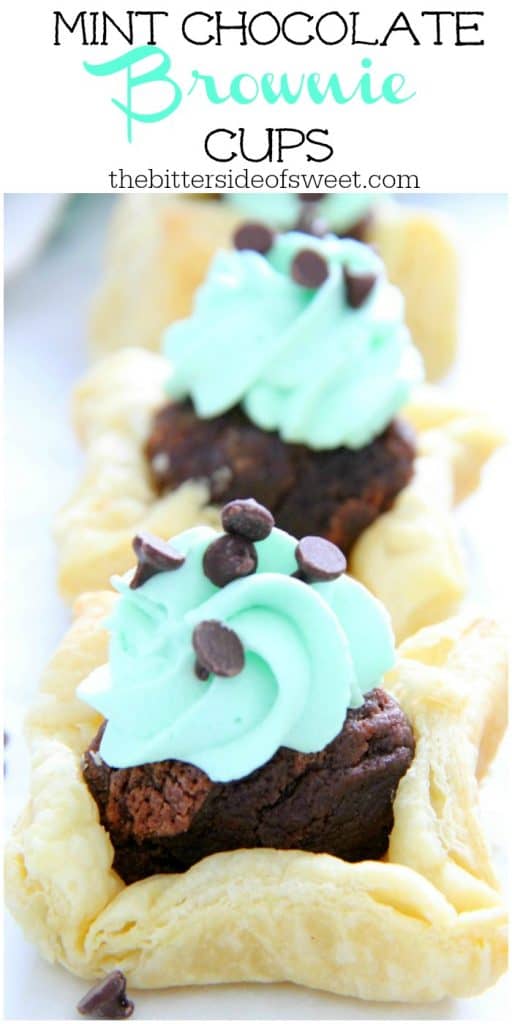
(424, 923)
(409, 557)
(159, 250)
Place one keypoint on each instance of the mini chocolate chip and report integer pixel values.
(357, 286)
(311, 197)
(154, 556)
(229, 558)
(309, 223)
(309, 269)
(107, 1000)
(319, 560)
(254, 236)
(201, 672)
(247, 518)
(359, 230)
(218, 649)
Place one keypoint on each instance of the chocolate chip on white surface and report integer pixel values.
(107, 999)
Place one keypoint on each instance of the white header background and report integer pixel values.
(63, 133)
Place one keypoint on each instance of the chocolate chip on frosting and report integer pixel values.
(201, 672)
(309, 223)
(255, 236)
(357, 287)
(218, 649)
(247, 518)
(107, 1000)
(229, 558)
(311, 197)
(319, 560)
(309, 269)
(336, 493)
(154, 556)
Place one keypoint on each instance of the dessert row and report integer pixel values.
(237, 776)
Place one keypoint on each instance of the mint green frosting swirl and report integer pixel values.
(311, 651)
(281, 210)
(300, 361)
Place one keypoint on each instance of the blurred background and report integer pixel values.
(53, 261)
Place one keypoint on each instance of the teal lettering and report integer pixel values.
(244, 88)
(333, 87)
(210, 87)
(283, 91)
(365, 84)
(390, 90)
(158, 73)
(236, 91)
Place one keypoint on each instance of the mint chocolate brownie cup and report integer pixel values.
(243, 702)
(286, 383)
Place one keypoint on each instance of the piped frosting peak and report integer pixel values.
(221, 676)
(308, 337)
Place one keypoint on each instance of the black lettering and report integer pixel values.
(210, 136)
(267, 155)
(94, 20)
(438, 41)
(79, 20)
(275, 23)
(241, 27)
(184, 28)
(284, 28)
(355, 40)
(338, 17)
(151, 15)
(473, 27)
(322, 145)
(108, 20)
(294, 143)
(401, 24)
